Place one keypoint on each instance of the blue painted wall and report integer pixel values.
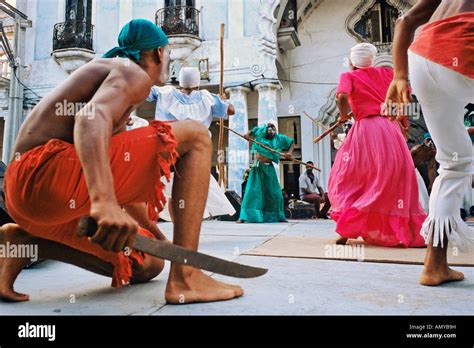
(46, 18)
(145, 9)
(251, 10)
(106, 24)
(214, 12)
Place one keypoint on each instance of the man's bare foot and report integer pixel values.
(341, 241)
(231, 286)
(188, 285)
(239, 222)
(437, 277)
(11, 267)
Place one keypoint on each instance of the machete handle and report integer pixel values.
(87, 227)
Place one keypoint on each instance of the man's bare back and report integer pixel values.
(106, 91)
(52, 117)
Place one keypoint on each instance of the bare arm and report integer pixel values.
(92, 137)
(343, 106)
(289, 153)
(231, 110)
(399, 91)
(321, 192)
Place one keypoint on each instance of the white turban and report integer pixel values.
(189, 77)
(363, 54)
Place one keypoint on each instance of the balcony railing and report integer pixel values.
(383, 46)
(177, 20)
(73, 34)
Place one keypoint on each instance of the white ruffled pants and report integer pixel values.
(443, 95)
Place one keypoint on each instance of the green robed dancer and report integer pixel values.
(263, 199)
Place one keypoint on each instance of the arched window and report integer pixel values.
(377, 25)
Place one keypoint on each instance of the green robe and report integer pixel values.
(263, 199)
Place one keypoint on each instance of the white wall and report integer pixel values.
(325, 44)
(43, 73)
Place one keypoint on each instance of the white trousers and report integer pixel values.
(443, 94)
(217, 203)
(422, 192)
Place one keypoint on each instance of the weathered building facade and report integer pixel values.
(282, 57)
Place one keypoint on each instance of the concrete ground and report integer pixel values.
(292, 286)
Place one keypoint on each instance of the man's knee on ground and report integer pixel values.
(151, 268)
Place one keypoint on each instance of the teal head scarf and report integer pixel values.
(136, 36)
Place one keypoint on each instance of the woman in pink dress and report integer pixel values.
(373, 185)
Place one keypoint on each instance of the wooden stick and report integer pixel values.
(314, 121)
(329, 130)
(221, 121)
(272, 150)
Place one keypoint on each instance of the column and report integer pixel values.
(267, 108)
(267, 102)
(238, 150)
(16, 115)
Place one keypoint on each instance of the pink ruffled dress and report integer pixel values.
(372, 186)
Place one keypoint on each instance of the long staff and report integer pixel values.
(291, 159)
(221, 121)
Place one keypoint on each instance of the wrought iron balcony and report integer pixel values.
(73, 34)
(383, 47)
(178, 20)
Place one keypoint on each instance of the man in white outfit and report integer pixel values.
(193, 103)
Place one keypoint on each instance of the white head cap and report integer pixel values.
(189, 77)
(363, 54)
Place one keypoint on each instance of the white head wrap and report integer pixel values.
(363, 54)
(189, 77)
(272, 121)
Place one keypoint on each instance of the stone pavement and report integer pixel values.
(291, 287)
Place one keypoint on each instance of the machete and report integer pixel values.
(175, 253)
